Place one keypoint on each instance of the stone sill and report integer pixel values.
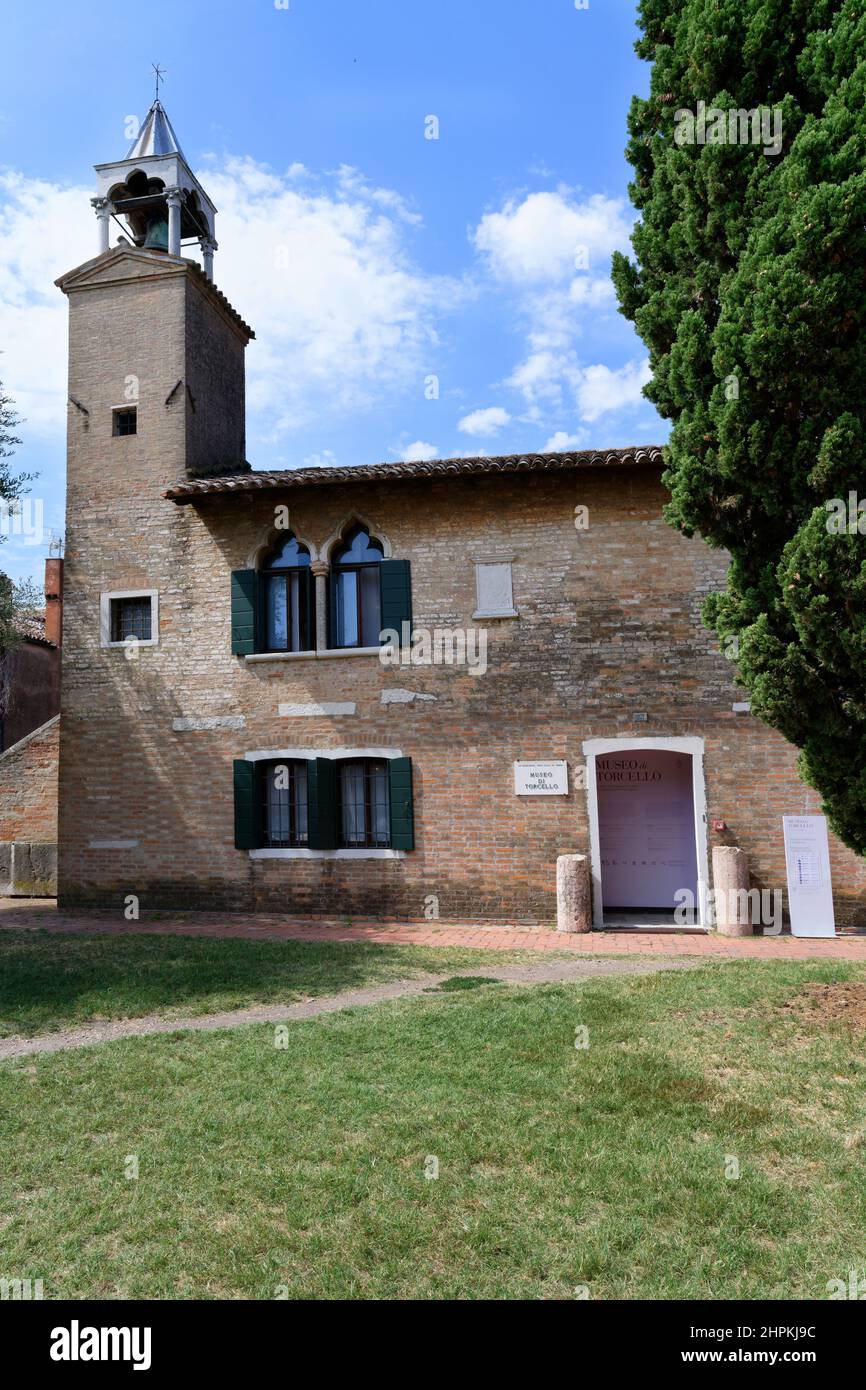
(513, 613)
(327, 853)
(327, 654)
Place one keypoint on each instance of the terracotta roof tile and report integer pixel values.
(641, 456)
(31, 626)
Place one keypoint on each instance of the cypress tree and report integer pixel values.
(749, 289)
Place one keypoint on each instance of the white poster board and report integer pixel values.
(541, 779)
(810, 892)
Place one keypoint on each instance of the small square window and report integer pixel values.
(125, 422)
(131, 617)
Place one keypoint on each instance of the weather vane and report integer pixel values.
(159, 73)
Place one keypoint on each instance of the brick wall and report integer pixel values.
(28, 787)
(29, 689)
(609, 630)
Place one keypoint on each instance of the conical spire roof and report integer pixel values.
(156, 135)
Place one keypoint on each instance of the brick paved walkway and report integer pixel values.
(42, 915)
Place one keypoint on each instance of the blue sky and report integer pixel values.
(368, 258)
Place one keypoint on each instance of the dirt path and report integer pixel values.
(547, 972)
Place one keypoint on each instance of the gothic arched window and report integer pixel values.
(287, 598)
(356, 611)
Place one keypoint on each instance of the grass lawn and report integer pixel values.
(50, 981)
(264, 1171)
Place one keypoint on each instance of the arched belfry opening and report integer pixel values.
(154, 196)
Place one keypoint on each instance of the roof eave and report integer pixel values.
(227, 484)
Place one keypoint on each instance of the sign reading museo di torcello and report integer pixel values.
(541, 779)
(810, 892)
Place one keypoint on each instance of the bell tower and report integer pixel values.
(155, 396)
(161, 201)
(156, 351)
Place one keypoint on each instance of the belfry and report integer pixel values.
(163, 205)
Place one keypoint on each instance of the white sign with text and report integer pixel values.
(541, 779)
(810, 892)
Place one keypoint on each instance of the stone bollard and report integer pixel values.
(573, 893)
(731, 890)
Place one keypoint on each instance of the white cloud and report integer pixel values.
(549, 236)
(600, 390)
(550, 380)
(483, 422)
(45, 230)
(325, 458)
(551, 251)
(562, 440)
(539, 377)
(324, 275)
(419, 452)
(321, 269)
(591, 294)
(352, 182)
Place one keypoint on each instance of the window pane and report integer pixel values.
(359, 548)
(278, 618)
(130, 617)
(277, 805)
(364, 806)
(353, 811)
(347, 609)
(294, 583)
(125, 422)
(300, 790)
(370, 607)
(379, 804)
(288, 554)
(284, 804)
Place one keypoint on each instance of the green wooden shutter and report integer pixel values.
(245, 604)
(402, 809)
(246, 809)
(322, 803)
(395, 588)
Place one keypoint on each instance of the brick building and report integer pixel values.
(30, 671)
(29, 745)
(397, 689)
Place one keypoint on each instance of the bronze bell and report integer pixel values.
(156, 236)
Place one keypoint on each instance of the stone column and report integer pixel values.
(731, 890)
(573, 893)
(172, 197)
(321, 570)
(207, 249)
(102, 208)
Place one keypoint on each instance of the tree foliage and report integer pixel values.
(13, 598)
(749, 288)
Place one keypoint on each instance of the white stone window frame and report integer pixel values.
(485, 607)
(105, 602)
